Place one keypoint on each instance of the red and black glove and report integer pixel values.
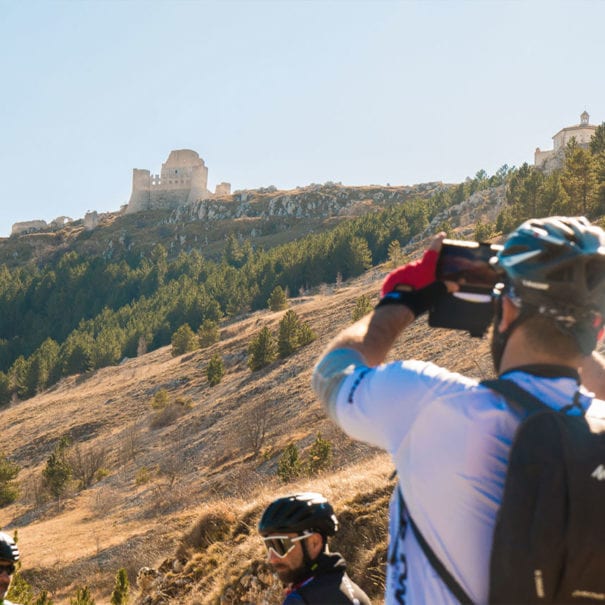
(413, 285)
(416, 275)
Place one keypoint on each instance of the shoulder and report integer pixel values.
(294, 598)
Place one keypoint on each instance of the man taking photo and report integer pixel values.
(449, 436)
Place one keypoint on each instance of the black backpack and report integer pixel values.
(549, 539)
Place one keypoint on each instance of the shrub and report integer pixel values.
(320, 455)
(119, 596)
(362, 307)
(215, 370)
(57, 472)
(86, 464)
(160, 400)
(167, 415)
(208, 333)
(278, 300)
(8, 488)
(83, 597)
(289, 466)
(293, 334)
(183, 341)
(262, 350)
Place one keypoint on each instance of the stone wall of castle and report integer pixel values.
(183, 179)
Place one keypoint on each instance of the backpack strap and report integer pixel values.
(447, 578)
(516, 394)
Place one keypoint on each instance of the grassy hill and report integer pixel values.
(178, 491)
(167, 471)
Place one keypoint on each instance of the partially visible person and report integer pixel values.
(295, 531)
(9, 555)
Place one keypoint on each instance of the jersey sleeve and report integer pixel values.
(377, 405)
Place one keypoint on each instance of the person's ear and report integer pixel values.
(315, 545)
(509, 313)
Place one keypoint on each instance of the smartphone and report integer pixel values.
(467, 263)
(471, 308)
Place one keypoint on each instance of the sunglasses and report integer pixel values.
(283, 545)
(7, 569)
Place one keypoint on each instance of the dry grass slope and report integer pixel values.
(182, 496)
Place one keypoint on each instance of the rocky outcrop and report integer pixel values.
(308, 202)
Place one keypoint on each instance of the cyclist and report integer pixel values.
(9, 555)
(449, 437)
(295, 531)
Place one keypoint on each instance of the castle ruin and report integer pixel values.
(183, 179)
(554, 158)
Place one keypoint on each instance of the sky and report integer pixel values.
(282, 92)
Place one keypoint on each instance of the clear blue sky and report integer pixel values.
(282, 93)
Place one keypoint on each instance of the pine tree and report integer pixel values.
(362, 307)
(287, 340)
(262, 350)
(119, 596)
(83, 597)
(8, 473)
(183, 341)
(57, 472)
(278, 300)
(208, 333)
(215, 370)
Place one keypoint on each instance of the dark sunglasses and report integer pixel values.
(7, 569)
(282, 545)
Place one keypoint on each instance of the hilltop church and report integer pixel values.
(552, 159)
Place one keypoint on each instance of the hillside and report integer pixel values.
(266, 217)
(179, 490)
(196, 461)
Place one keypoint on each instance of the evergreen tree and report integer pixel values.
(208, 333)
(597, 142)
(362, 307)
(320, 455)
(262, 350)
(5, 390)
(183, 341)
(119, 596)
(215, 370)
(82, 597)
(57, 472)
(395, 254)
(579, 180)
(289, 466)
(287, 340)
(278, 300)
(8, 487)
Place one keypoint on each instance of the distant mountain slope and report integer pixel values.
(267, 217)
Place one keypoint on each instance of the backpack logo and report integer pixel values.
(599, 473)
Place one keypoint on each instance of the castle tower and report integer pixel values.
(183, 178)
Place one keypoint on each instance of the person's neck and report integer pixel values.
(519, 353)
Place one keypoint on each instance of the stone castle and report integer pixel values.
(553, 158)
(183, 179)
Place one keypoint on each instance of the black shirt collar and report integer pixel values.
(546, 371)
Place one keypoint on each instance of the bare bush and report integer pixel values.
(254, 430)
(131, 444)
(86, 463)
(167, 416)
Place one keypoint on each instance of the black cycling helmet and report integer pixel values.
(299, 512)
(8, 548)
(556, 261)
(556, 267)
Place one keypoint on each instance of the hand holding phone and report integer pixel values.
(470, 308)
